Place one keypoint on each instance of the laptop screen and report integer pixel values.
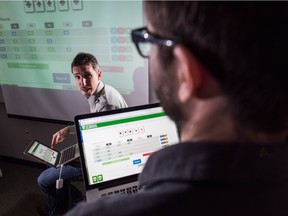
(116, 144)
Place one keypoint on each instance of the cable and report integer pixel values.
(59, 182)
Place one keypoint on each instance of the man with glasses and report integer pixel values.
(100, 97)
(220, 71)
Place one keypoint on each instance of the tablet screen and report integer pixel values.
(42, 152)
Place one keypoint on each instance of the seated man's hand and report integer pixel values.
(60, 136)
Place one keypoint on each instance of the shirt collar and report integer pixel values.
(94, 98)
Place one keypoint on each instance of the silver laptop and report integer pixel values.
(114, 146)
(50, 156)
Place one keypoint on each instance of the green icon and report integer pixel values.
(48, 33)
(100, 178)
(94, 179)
(30, 33)
(32, 49)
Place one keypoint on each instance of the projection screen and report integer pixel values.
(39, 39)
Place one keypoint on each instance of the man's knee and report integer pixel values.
(47, 177)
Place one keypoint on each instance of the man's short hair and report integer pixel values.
(82, 59)
(243, 45)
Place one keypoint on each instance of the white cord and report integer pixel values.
(59, 182)
(60, 171)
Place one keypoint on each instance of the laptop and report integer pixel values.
(50, 156)
(115, 145)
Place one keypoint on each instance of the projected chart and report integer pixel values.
(39, 39)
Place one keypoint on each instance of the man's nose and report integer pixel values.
(83, 82)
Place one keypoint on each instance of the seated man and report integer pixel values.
(101, 97)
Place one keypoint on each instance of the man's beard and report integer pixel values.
(168, 97)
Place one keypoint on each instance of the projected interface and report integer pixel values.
(39, 39)
(120, 147)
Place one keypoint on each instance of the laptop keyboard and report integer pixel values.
(128, 190)
(68, 154)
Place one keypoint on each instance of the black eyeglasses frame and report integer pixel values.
(144, 36)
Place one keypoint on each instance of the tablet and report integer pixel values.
(42, 152)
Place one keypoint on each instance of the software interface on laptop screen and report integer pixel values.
(118, 145)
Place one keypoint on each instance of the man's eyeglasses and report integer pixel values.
(143, 41)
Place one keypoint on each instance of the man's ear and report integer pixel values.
(99, 73)
(189, 71)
